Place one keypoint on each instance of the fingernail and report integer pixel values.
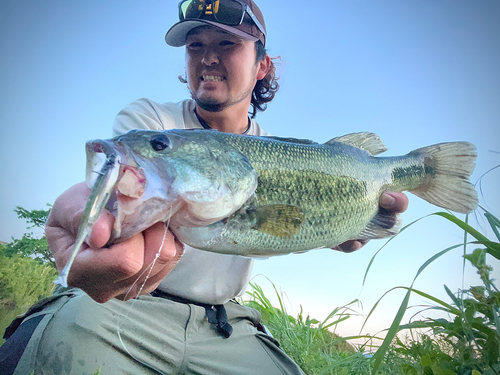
(387, 200)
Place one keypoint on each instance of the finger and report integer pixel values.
(162, 252)
(64, 221)
(168, 258)
(394, 202)
(158, 239)
(101, 230)
(68, 208)
(351, 246)
(105, 273)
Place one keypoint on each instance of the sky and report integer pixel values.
(414, 72)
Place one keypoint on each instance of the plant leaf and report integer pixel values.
(494, 222)
(448, 307)
(455, 300)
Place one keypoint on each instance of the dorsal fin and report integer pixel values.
(370, 142)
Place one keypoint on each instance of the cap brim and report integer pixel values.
(176, 35)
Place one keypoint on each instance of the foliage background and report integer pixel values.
(27, 269)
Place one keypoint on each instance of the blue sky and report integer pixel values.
(414, 72)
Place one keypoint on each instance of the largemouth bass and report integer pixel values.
(264, 196)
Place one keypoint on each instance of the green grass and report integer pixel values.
(470, 339)
(23, 281)
(313, 344)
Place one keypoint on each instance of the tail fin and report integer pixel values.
(449, 186)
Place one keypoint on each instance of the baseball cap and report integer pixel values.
(239, 17)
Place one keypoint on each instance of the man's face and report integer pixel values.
(221, 68)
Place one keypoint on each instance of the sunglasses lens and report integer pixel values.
(191, 9)
(227, 12)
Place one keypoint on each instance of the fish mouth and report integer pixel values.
(128, 188)
(131, 181)
(100, 159)
(138, 192)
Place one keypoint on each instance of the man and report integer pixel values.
(182, 320)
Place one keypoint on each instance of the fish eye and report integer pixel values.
(160, 142)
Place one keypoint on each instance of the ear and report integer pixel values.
(263, 68)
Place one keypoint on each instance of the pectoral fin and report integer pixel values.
(384, 224)
(277, 220)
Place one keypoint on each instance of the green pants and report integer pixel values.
(149, 335)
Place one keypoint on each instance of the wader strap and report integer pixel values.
(12, 350)
(217, 317)
(216, 314)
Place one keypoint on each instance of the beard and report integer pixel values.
(209, 104)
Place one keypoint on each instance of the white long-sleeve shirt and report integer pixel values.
(199, 276)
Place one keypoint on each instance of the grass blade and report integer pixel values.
(433, 258)
(380, 353)
(448, 307)
(466, 227)
(376, 304)
(494, 223)
(387, 242)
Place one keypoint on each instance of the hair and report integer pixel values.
(266, 88)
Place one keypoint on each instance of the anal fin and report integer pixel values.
(384, 224)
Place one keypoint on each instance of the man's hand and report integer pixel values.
(393, 202)
(117, 271)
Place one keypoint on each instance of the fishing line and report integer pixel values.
(149, 269)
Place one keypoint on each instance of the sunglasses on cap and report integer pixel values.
(226, 12)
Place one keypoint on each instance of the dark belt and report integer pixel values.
(216, 314)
